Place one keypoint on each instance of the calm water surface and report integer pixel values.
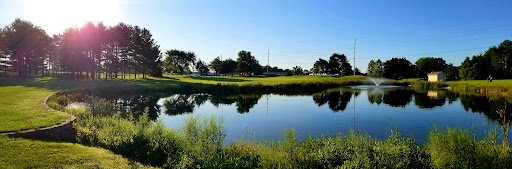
(371, 111)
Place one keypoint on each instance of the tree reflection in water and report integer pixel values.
(376, 95)
(180, 103)
(136, 106)
(429, 100)
(245, 103)
(337, 100)
(497, 109)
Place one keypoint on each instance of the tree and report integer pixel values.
(215, 65)
(121, 39)
(178, 60)
(321, 66)
(398, 68)
(452, 72)
(4, 58)
(247, 64)
(27, 45)
(466, 70)
(297, 70)
(478, 67)
(228, 67)
(338, 64)
(378, 69)
(201, 67)
(357, 71)
(493, 54)
(503, 60)
(148, 56)
(369, 71)
(90, 49)
(426, 65)
(70, 51)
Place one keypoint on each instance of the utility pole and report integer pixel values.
(268, 59)
(221, 57)
(354, 56)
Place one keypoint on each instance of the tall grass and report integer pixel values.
(422, 85)
(456, 149)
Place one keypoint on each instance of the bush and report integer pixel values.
(455, 149)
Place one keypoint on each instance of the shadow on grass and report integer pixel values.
(219, 79)
(60, 84)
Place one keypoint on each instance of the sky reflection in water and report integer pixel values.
(263, 117)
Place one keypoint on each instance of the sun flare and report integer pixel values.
(54, 15)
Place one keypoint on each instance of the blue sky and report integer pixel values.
(296, 32)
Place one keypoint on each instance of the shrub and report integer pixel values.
(455, 149)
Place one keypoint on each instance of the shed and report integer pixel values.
(436, 77)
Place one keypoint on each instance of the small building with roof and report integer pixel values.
(436, 77)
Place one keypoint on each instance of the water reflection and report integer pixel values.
(179, 104)
(398, 97)
(337, 100)
(137, 104)
(497, 110)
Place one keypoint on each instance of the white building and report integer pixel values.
(436, 77)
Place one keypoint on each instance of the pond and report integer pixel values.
(261, 117)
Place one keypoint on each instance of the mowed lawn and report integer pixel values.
(22, 153)
(258, 80)
(506, 83)
(24, 108)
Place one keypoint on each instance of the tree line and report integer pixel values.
(89, 52)
(401, 68)
(98, 51)
(495, 62)
(180, 62)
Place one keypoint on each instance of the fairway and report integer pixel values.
(258, 80)
(24, 108)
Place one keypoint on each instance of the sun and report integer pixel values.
(57, 15)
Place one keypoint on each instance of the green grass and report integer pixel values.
(24, 108)
(259, 80)
(478, 83)
(411, 80)
(501, 88)
(22, 153)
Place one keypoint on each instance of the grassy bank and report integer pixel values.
(24, 108)
(22, 153)
(502, 88)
